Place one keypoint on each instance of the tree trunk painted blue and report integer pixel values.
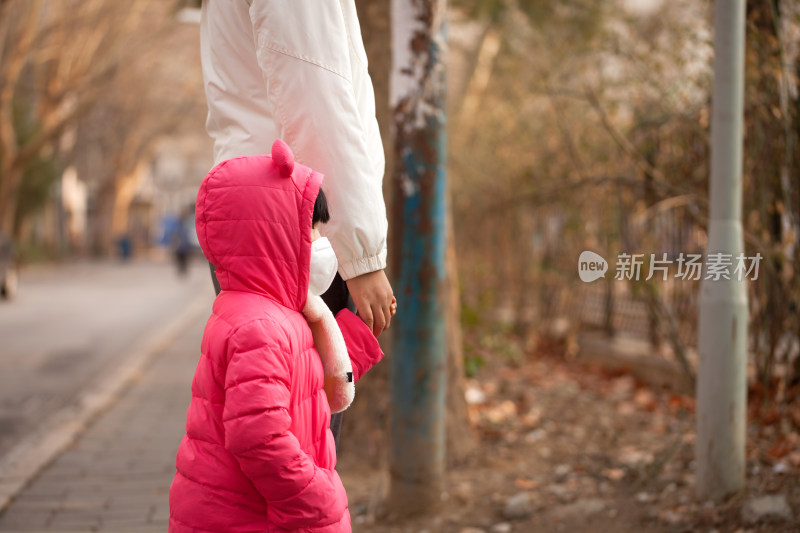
(418, 372)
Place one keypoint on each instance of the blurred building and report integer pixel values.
(73, 206)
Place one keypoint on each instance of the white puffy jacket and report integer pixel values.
(297, 70)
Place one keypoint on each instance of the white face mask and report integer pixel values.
(323, 266)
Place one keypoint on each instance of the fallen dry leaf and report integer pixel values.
(782, 447)
(645, 399)
(626, 408)
(532, 417)
(614, 474)
(679, 402)
(525, 483)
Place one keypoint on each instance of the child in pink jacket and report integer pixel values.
(258, 454)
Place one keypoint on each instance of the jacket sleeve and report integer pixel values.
(325, 110)
(256, 422)
(362, 346)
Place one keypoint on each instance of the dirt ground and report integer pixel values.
(566, 447)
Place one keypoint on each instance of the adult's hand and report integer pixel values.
(373, 296)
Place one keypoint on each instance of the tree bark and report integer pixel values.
(371, 408)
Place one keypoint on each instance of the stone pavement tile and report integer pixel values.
(46, 491)
(75, 457)
(25, 519)
(47, 498)
(69, 471)
(35, 501)
(144, 509)
(159, 468)
(74, 520)
(116, 476)
(124, 487)
(79, 486)
(85, 500)
(129, 516)
(160, 513)
(136, 528)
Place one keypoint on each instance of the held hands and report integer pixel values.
(374, 300)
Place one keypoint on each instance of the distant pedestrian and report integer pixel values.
(182, 242)
(125, 247)
(258, 454)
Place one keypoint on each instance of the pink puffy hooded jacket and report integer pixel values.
(258, 454)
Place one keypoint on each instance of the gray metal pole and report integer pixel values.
(722, 347)
(418, 371)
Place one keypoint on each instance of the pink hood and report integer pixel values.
(252, 244)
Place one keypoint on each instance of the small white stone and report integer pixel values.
(672, 487)
(535, 435)
(561, 492)
(585, 507)
(780, 468)
(562, 470)
(502, 527)
(773, 507)
(518, 506)
(670, 517)
(474, 396)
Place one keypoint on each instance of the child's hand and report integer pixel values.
(393, 307)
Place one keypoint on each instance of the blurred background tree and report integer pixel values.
(92, 84)
(584, 126)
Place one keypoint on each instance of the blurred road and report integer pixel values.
(71, 323)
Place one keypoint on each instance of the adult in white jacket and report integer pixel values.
(297, 70)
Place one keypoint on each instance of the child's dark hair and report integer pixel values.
(321, 213)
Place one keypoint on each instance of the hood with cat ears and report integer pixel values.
(253, 219)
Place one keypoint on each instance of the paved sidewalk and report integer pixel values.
(115, 477)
